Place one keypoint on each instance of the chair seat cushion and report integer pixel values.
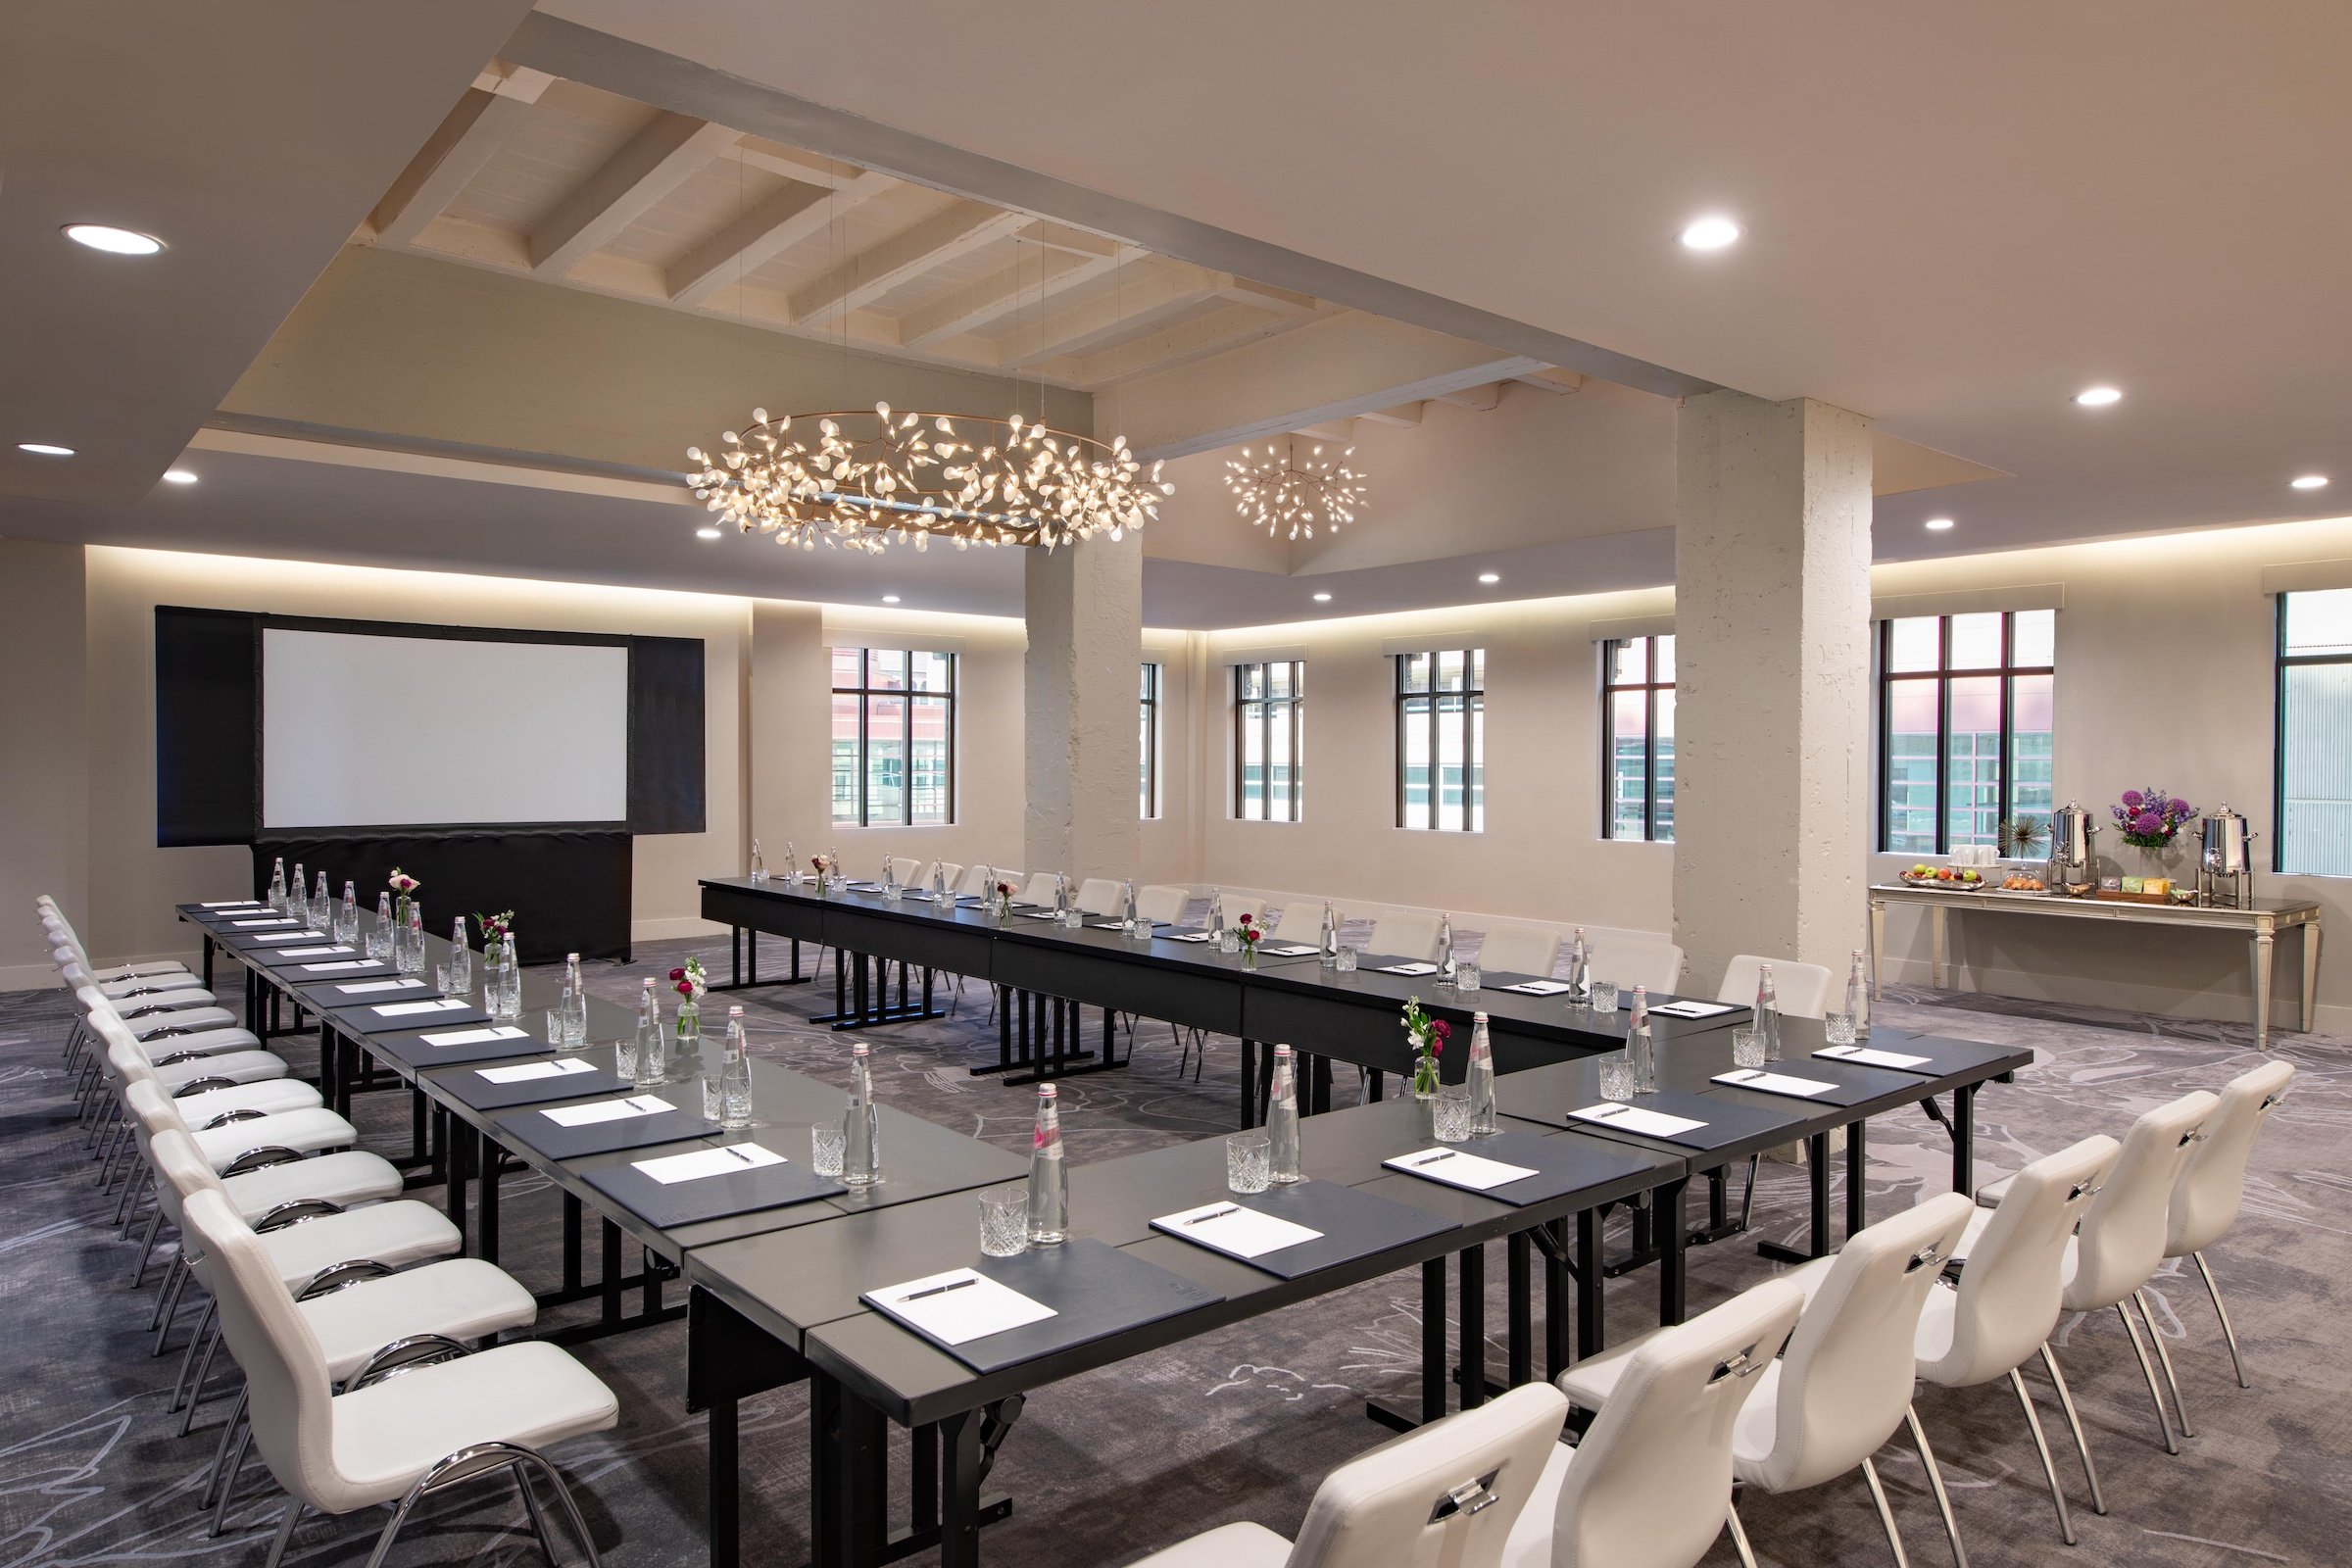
(186, 1020)
(305, 1132)
(241, 1066)
(1235, 1546)
(387, 1436)
(1530, 1543)
(160, 969)
(138, 990)
(209, 1042)
(269, 1096)
(353, 1176)
(393, 1234)
(463, 1297)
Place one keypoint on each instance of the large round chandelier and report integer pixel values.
(860, 482)
(1275, 489)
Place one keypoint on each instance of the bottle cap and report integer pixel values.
(858, 1048)
(1478, 1017)
(1283, 1052)
(1045, 1091)
(735, 1012)
(572, 958)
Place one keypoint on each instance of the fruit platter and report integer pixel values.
(1946, 878)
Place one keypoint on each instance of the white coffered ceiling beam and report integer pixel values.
(1196, 339)
(1266, 297)
(1405, 415)
(785, 219)
(1553, 380)
(1029, 282)
(952, 231)
(1338, 366)
(1340, 430)
(1076, 241)
(800, 167)
(473, 131)
(1168, 290)
(1478, 399)
(649, 167)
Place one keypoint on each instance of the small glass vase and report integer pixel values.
(686, 1040)
(1425, 1114)
(1248, 954)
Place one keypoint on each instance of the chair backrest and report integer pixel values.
(1519, 949)
(1162, 903)
(907, 868)
(1652, 1478)
(1039, 889)
(289, 1398)
(953, 872)
(1628, 960)
(1413, 1501)
(1846, 1376)
(1238, 905)
(2122, 1240)
(2008, 1295)
(2213, 1183)
(1301, 921)
(1405, 934)
(180, 1169)
(971, 885)
(1801, 989)
(1100, 895)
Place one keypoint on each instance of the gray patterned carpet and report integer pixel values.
(1241, 1424)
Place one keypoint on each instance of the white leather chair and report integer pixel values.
(2005, 1305)
(1801, 989)
(54, 921)
(1406, 934)
(305, 1130)
(974, 882)
(1162, 904)
(1650, 1486)
(2213, 1183)
(182, 1010)
(1037, 890)
(1235, 906)
(64, 950)
(233, 1055)
(1519, 949)
(397, 1440)
(949, 870)
(1100, 895)
(1636, 960)
(1301, 921)
(1445, 1495)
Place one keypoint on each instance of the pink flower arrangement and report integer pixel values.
(403, 884)
(1429, 1036)
(1250, 933)
(688, 980)
(2149, 819)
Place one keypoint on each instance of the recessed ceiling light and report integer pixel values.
(1489, 576)
(890, 598)
(114, 241)
(178, 477)
(1710, 233)
(1322, 599)
(1938, 525)
(2098, 396)
(44, 448)
(705, 533)
(2310, 481)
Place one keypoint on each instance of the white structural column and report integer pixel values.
(1772, 681)
(1085, 607)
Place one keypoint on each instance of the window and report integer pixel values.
(1637, 742)
(1964, 727)
(1440, 733)
(894, 737)
(1148, 797)
(1267, 702)
(2314, 733)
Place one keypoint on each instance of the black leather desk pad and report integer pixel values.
(553, 1141)
(1944, 1056)
(1728, 1121)
(1562, 1165)
(471, 1089)
(413, 1051)
(1853, 1084)
(668, 1206)
(1354, 1224)
(1095, 1290)
(361, 1019)
(283, 954)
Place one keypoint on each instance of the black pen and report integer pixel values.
(938, 1290)
(1215, 1213)
(1432, 1160)
(1605, 1108)
(1743, 1075)
(737, 1151)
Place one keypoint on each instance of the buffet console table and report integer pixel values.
(2260, 926)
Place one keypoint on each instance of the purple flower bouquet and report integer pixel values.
(2149, 819)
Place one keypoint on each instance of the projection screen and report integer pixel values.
(382, 731)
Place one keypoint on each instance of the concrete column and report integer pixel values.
(1085, 608)
(1772, 682)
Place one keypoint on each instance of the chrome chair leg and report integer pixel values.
(187, 1361)
(2074, 1422)
(1747, 1553)
(155, 1222)
(285, 1532)
(1747, 1199)
(228, 1487)
(1878, 1495)
(2228, 1334)
(400, 1516)
(166, 1302)
(204, 1370)
(228, 1433)
(530, 1507)
(2147, 1369)
(2042, 1446)
(1944, 1499)
(2164, 1359)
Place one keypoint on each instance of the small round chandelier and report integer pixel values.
(860, 482)
(1274, 489)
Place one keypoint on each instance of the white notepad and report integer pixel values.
(369, 988)
(1230, 1228)
(608, 1110)
(343, 967)
(1457, 1168)
(316, 953)
(233, 904)
(1688, 1008)
(533, 1071)
(1408, 968)
(671, 1169)
(1773, 1083)
(413, 1010)
(1539, 988)
(1293, 950)
(258, 925)
(1192, 936)
(294, 936)
(479, 1037)
(1648, 1123)
(1872, 1058)
(962, 1304)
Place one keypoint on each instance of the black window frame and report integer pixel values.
(2283, 661)
(865, 691)
(1473, 694)
(1295, 722)
(1150, 688)
(1649, 686)
(1943, 674)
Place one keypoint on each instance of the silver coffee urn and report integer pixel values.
(2069, 868)
(2225, 861)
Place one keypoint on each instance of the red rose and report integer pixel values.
(677, 974)
(1441, 1028)
(1245, 919)
(685, 989)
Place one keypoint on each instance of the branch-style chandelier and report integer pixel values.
(862, 480)
(1275, 490)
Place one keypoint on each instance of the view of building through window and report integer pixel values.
(1964, 727)
(1637, 717)
(1148, 722)
(2314, 733)
(894, 736)
(1269, 700)
(1440, 724)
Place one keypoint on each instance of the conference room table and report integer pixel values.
(777, 1291)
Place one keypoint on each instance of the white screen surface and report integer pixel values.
(369, 731)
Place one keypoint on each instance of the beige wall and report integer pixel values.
(45, 758)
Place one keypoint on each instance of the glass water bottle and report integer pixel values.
(1481, 1079)
(641, 1060)
(347, 924)
(298, 896)
(510, 981)
(1282, 1118)
(938, 884)
(861, 1128)
(890, 875)
(1446, 950)
(412, 957)
(1061, 896)
(1128, 918)
(759, 863)
(1579, 970)
(1640, 1051)
(461, 961)
(735, 1077)
(1048, 1175)
(1768, 1014)
(278, 885)
(322, 902)
(1330, 942)
(1858, 996)
(573, 1009)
